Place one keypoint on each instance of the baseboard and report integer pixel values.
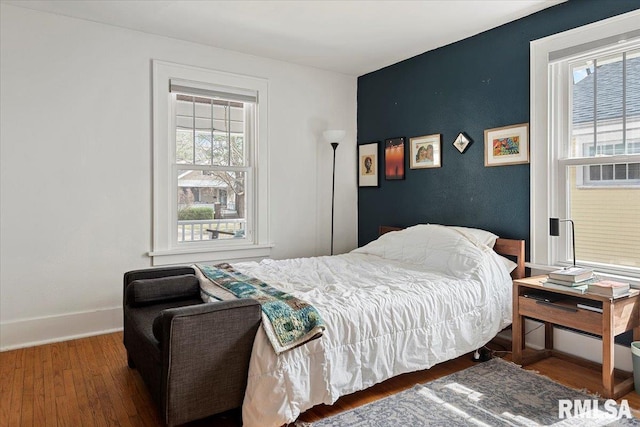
(48, 329)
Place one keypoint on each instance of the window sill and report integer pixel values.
(209, 254)
(631, 279)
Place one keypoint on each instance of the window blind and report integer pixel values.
(216, 92)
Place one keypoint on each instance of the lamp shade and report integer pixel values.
(554, 226)
(333, 135)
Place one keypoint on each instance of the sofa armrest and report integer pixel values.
(206, 350)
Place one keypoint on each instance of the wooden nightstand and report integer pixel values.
(618, 316)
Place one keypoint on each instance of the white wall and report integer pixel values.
(75, 200)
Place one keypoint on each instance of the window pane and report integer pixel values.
(594, 173)
(211, 205)
(607, 172)
(210, 131)
(607, 224)
(582, 130)
(620, 171)
(229, 129)
(609, 106)
(634, 170)
(633, 101)
(184, 146)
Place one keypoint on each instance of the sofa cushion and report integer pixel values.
(163, 289)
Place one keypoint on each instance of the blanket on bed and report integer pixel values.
(288, 321)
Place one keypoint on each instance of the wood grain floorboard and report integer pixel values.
(86, 382)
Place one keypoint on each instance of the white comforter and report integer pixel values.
(403, 303)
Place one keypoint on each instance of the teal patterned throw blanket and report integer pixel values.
(287, 320)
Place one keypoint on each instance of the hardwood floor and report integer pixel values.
(86, 382)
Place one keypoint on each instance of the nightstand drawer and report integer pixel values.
(559, 313)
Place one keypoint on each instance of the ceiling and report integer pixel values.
(350, 36)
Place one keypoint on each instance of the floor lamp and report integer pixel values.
(334, 137)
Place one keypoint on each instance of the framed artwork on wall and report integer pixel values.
(425, 151)
(462, 142)
(368, 165)
(394, 158)
(508, 145)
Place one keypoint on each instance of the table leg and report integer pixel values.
(608, 380)
(517, 328)
(548, 335)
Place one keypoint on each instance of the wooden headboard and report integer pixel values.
(508, 247)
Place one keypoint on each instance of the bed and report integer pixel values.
(411, 299)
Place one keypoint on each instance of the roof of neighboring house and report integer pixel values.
(202, 183)
(609, 90)
(195, 178)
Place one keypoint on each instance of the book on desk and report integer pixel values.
(592, 285)
(572, 274)
(577, 289)
(609, 288)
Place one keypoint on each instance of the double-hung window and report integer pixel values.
(587, 127)
(210, 165)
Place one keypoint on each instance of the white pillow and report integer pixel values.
(435, 247)
(482, 236)
(510, 265)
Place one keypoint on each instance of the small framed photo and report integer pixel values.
(462, 142)
(425, 151)
(368, 165)
(508, 145)
(394, 158)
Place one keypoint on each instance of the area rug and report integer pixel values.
(494, 393)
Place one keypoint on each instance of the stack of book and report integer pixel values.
(574, 279)
(609, 288)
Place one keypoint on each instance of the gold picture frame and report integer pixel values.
(425, 151)
(507, 145)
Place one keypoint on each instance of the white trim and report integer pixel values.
(48, 329)
(227, 253)
(538, 269)
(258, 235)
(541, 131)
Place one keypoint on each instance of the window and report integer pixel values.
(210, 165)
(605, 116)
(586, 129)
(212, 135)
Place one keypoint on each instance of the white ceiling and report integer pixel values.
(351, 36)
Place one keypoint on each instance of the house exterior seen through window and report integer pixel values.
(212, 167)
(600, 162)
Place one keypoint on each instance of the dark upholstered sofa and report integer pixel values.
(193, 356)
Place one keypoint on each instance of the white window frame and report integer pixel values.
(547, 136)
(166, 250)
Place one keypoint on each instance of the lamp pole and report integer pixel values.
(333, 190)
(334, 137)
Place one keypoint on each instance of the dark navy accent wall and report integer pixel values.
(479, 83)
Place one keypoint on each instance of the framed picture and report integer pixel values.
(462, 142)
(508, 145)
(425, 151)
(368, 165)
(394, 158)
